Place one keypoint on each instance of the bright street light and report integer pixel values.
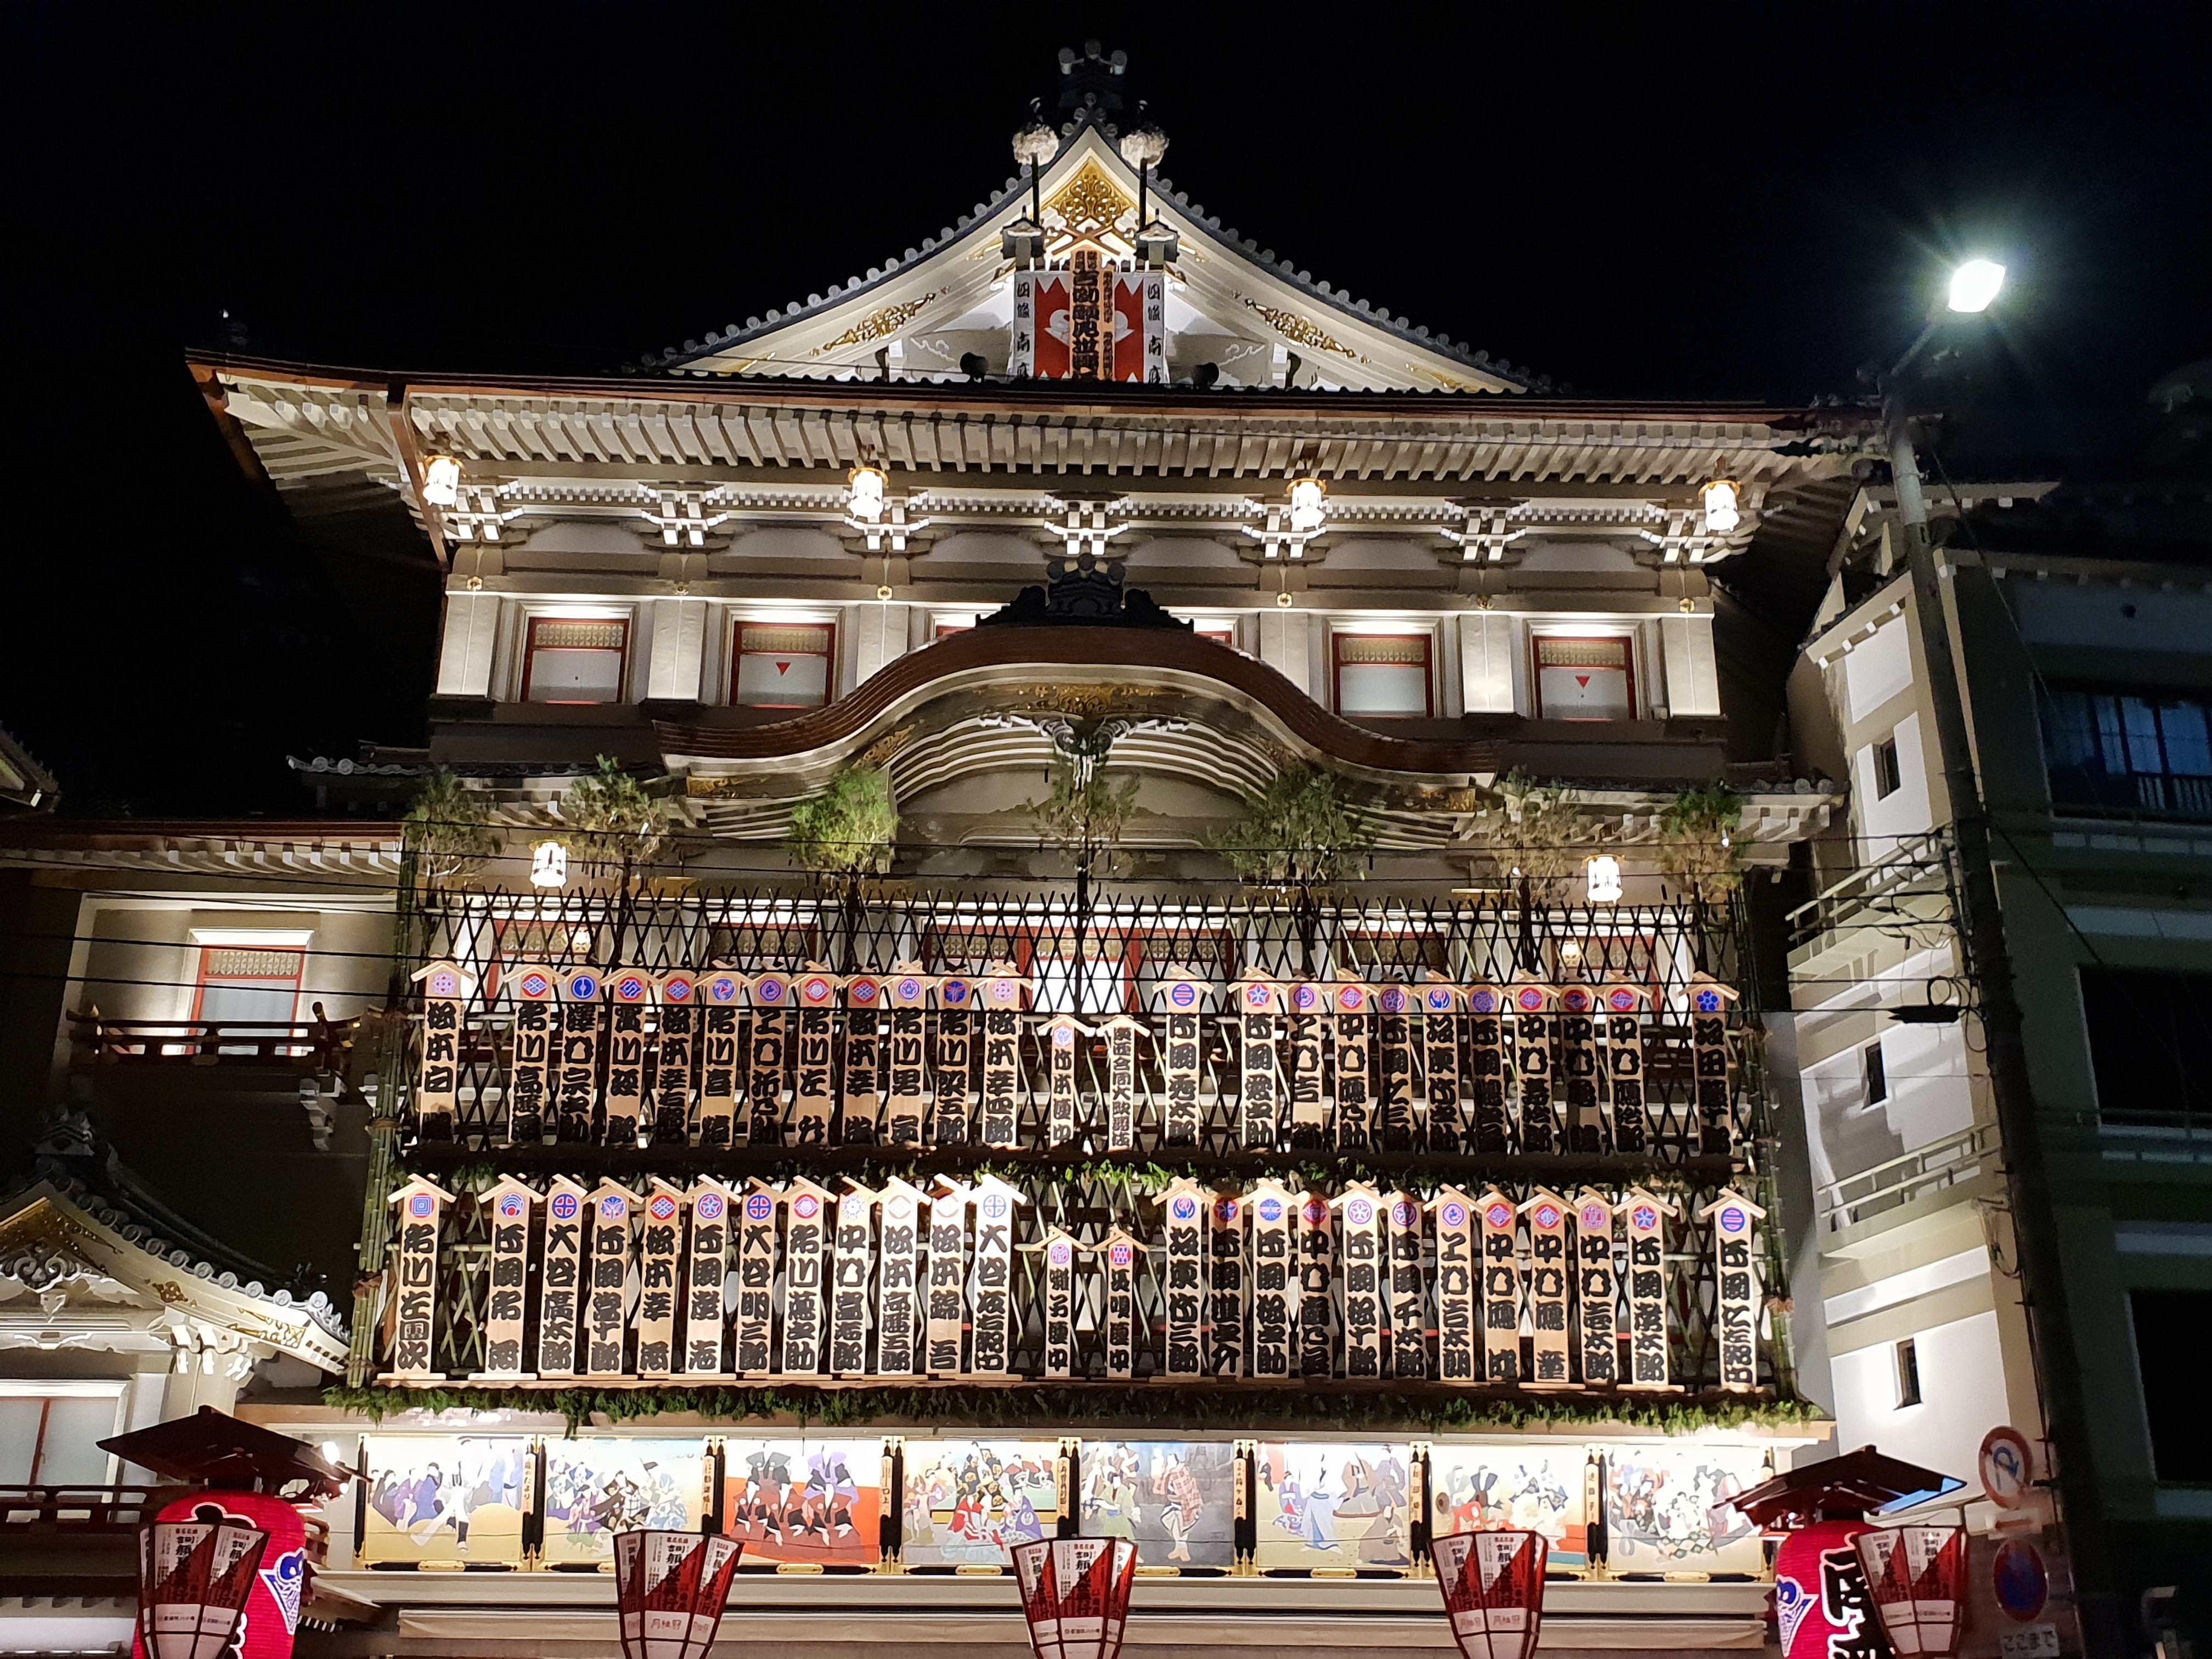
(1975, 284)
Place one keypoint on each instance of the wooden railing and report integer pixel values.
(315, 1045)
(89, 1510)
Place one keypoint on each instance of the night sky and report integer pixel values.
(1662, 202)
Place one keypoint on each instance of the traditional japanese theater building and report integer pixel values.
(1164, 944)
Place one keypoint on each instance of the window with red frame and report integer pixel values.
(576, 660)
(1382, 675)
(1585, 679)
(242, 985)
(783, 665)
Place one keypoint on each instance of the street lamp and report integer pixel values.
(1975, 284)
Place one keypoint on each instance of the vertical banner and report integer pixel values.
(1624, 1069)
(1440, 1074)
(560, 1278)
(1393, 1069)
(1259, 1103)
(1059, 1305)
(1059, 1038)
(948, 1278)
(1646, 1218)
(1354, 1063)
(1140, 327)
(1409, 1346)
(807, 1234)
(1533, 1070)
(1364, 1304)
(612, 1206)
(991, 1294)
(1224, 1350)
(1708, 1049)
(659, 1246)
(422, 1206)
(756, 1322)
(1306, 1003)
(1021, 353)
(853, 1281)
(907, 1072)
(1180, 1066)
(859, 1092)
(1121, 1306)
(582, 1014)
(631, 990)
(813, 1100)
(1735, 1307)
(719, 1058)
(713, 1208)
(507, 1206)
(1001, 996)
(1487, 1130)
(1459, 1357)
(676, 1058)
(1121, 1082)
(1274, 1305)
(1184, 1208)
(1501, 1287)
(1316, 1289)
(898, 1312)
(955, 1055)
(535, 1070)
(1597, 1312)
(1577, 1062)
(767, 1059)
(438, 1076)
(1547, 1289)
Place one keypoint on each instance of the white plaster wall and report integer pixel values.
(1286, 646)
(1884, 823)
(472, 631)
(1962, 1396)
(1877, 668)
(679, 635)
(875, 634)
(1489, 647)
(1693, 684)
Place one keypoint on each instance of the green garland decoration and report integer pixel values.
(1194, 1409)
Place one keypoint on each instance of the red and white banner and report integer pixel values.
(1917, 1577)
(670, 1588)
(1493, 1590)
(1075, 1594)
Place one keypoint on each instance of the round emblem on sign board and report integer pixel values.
(611, 1209)
(1708, 1002)
(1595, 1217)
(629, 988)
(583, 987)
(1118, 1255)
(816, 989)
(1499, 1215)
(1183, 1208)
(2006, 1466)
(1548, 1216)
(862, 991)
(1304, 997)
(1225, 1211)
(1392, 1000)
(759, 1207)
(897, 1208)
(1351, 998)
(806, 1206)
(722, 988)
(709, 1206)
(1359, 1213)
(1643, 1217)
(1483, 1002)
(1063, 1037)
(1439, 999)
(1577, 999)
(1530, 998)
(677, 989)
(2021, 1581)
(1452, 1215)
(1316, 1212)
(1402, 1214)
(512, 1204)
(910, 988)
(769, 990)
(954, 992)
(1271, 1210)
(421, 1204)
(1005, 990)
(445, 985)
(563, 1207)
(1257, 996)
(1059, 1256)
(535, 986)
(1622, 999)
(993, 1207)
(1734, 1220)
(1183, 993)
(662, 1207)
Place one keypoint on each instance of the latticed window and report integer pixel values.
(576, 660)
(1585, 679)
(1383, 674)
(783, 665)
(240, 985)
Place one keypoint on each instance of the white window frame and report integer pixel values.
(116, 1390)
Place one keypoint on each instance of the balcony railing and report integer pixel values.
(2166, 795)
(81, 1510)
(318, 1045)
(1929, 1168)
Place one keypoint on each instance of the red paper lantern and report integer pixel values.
(194, 1577)
(670, 1587)
(1493, 1590)
(1075, 1593)
(1917, 1577)
(278, 1581)
(1821, 1604)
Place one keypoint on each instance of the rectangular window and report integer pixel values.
(1908, 1374)
(2174, 1352)
(53, 1439)
(1877, 1079)
(576, 660)
(2148, 1028)
(2137, 751)
(1382, 675)
(783, 665)
(246, 986)
(1887, 778)
(1585, 679)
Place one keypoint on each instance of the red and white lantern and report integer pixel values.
(1493, 1590)
(194, 1579)
(1917, 1577)
(670, 1588)
(1075, 1594)
(272, 1589)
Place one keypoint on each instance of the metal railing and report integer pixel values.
(1855, 1198)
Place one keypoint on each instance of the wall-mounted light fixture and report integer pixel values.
(1309, 507)
(1602, 874)
(865, 498)
(1723, 513)
(442, 481)
(549, 864)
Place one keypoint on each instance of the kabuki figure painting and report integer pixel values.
(445, 1498)
(1176, 1499)
(805, 1500)
(597, 1488)
(1661, 1508)
(1538, 1489)
(967, 1501)
(1332, 1505)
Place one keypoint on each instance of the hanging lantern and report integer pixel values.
(1309, 507)
(866, 501)
(442, 481)
(1722, 513)
(1075, 1594)
(549, 864)
(1603, 872)
(1917, 1577)
(1493, 1590)
(194, 1577)
(670, 1588)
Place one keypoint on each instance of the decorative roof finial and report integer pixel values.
(1092, 84)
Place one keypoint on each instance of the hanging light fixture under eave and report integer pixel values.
(549, 864)
(865, 501)
(1602, 874)
(1974, 285)
(1722, 511)
(442, 481)
(1309, 507)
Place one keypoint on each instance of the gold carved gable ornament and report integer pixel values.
(1089, 203)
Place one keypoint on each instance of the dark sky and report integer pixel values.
(1667, 202)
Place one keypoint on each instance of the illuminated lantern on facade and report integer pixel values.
(270, 1590)
(670, 1588)
(1493, 1589)
(1821, 1605)
(1917, 1578)
(1075, 1594)
(194, 1579)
